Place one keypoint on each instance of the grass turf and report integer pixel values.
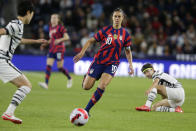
(49, 110)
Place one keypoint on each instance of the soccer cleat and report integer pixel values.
(11, 118)
(69, 83)
(43, 85)
(143, 108)
(179, 109)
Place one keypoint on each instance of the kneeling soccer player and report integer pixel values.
(167, 86)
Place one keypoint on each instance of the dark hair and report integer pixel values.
(25, 6)
(146, 66)
(119, 10)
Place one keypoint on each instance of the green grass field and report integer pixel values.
(49, 110)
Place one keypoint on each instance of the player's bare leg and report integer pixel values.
(163, 102)
(104, 81)
(65, 72)
(151, 96)
(162, 91)
(49, 63)
(24, 87)
(163, 105)
(88, 82)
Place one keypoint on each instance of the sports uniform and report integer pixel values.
(174, 89)
(8, 44)
(56, 51)
(107, 59)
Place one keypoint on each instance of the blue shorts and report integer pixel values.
(57, 56)
(96, 70)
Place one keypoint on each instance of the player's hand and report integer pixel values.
(57, 41)
(44, 45)
(147, 92)
(41, 41)
(131, 72)
(78, 57)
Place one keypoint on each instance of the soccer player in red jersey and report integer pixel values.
(57, 35)
(112, 38)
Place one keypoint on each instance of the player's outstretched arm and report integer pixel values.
(128, 54)
(3, 31)
(82, 52)
(32, 41)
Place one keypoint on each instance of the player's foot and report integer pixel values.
(88, 113)
(11, 118)
(143, 108)
(69, 83)
(179, 109)
(43, 85)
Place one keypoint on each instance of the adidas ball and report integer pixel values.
(79, 117)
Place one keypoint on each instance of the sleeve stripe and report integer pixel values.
(128, 38)
(98, 35)
(12, 29)
(95, 36)
(19, 28)
(61, 30)
(17, 38)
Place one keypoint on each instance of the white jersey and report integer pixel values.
(9, 42)
(166, 80)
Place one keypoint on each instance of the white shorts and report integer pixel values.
(8, 71)
(176, 96)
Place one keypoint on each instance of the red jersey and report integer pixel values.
(112, 42)
(56, 33)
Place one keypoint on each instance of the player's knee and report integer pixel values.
(86, 86)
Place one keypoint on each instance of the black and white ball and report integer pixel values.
(79, 117)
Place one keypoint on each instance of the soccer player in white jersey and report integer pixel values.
(10, 38)
(168, 87)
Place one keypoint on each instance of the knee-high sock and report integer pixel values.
(17, 98)
(65, 72)
(48, 73)
(151, 96)
(165, 109)
(94, 99)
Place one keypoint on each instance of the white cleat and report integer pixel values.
(43, 85)
(69, 83)
(11, 118)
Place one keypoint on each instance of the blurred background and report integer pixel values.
(160, 29)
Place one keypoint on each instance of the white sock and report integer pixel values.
(151, 96)
(165, 109)
(11, 108)
(17, 98)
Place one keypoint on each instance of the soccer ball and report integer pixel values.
(79, 117)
